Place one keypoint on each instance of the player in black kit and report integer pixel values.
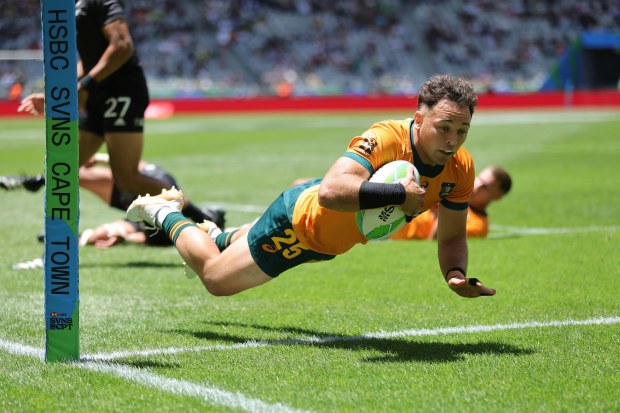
(112, 93)
(113, 96)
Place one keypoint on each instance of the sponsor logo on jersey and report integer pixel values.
(446, 188)
(370, 142)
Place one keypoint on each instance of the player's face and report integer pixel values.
(486, 187)
(441, 131)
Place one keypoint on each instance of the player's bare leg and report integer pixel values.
(98, 180)
(89, 145)
(125, 150)
(226, 273)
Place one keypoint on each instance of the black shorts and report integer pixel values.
(154, 237)
(117, 104)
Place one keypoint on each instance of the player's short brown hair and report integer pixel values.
(457, 89)
(503, 177)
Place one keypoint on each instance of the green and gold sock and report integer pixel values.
(223, 240)
(174, 223)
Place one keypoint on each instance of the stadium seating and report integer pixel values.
(247, 47)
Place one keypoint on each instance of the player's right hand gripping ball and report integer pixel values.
(379, 223)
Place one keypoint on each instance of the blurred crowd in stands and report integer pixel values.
(318, 47)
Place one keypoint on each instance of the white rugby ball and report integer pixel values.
(379, 223)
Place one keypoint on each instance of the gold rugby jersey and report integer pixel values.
(333, 232)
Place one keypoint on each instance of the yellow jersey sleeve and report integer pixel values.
(383, 142)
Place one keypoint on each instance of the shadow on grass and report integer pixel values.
(147, 364)
(132, 264)
(393, 350)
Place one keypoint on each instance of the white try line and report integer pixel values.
(209, 394)
(367, 336)
(505, 231)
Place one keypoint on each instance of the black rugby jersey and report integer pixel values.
(90, 18)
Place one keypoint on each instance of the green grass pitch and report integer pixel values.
(375, 330)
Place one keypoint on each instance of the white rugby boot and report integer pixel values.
(154, 209)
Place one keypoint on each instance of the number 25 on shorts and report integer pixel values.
(293, 246)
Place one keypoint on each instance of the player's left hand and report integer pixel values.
(33, 104)
(469, 287)
(106, 243)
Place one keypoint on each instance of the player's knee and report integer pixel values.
(124, 181)
(217, 288)
(131, 183)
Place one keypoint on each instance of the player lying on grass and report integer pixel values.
(491, 184)
(120, 231)
(99, 180)
(316, 220)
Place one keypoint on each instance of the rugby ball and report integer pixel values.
(379, 223)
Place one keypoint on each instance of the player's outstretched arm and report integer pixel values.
(453, 254)
(33, 104)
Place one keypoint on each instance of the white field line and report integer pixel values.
(21, 349)
(551, 231)
(366, 336)
(209, 394)
(494, 327)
